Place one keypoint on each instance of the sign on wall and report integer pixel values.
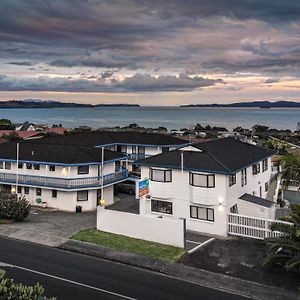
(143, 187)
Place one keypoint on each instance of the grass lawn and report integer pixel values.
(128, 244)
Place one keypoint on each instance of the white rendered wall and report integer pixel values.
(257, 211)
(159, 230)
(220, 198)
(67, 200)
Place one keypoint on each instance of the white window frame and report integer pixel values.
(208, 184)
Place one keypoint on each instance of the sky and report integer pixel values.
(155, 52)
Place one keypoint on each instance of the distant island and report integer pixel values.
(253, 104)
(37, 103)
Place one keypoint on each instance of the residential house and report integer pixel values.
(204, 182)
(60, 176)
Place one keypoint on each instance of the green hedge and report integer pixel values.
(13, 207)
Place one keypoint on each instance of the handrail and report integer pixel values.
(64, 183)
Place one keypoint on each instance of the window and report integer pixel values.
(124, 149)
(234, 209)
(36, 167)
(265, 165)
(82, 195)
(141, 150)
(162, 207)
(52, 168)
(38, 191)
(26, 190)
(165, 149)
(161, 175)
(7, 165)
(202, 213)
(232, 179)
(20, 166)
(256, 168)
(54, 193)
(28, 166)
(202, 180)
(1, 164)
(133, 149)
(244, 177)
(83, 170)
(266, 186)
(19, 189)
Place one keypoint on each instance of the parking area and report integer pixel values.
(195, 241)
(49, 227)
(126, 203)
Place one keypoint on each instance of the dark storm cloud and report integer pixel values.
(201, 36)
(20, 63)
(138, 82)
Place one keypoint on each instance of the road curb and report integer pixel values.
(197, 276)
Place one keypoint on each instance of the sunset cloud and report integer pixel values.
(148, 46)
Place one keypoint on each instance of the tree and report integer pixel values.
(284, 251)
(291, 168)
(9, 290)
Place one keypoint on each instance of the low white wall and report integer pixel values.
(163, 231)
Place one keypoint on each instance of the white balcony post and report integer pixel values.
(17, 171)
(102, 171)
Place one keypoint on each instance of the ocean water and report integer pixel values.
(170, 117)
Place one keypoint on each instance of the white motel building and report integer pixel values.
(204, 182)
(65, 172)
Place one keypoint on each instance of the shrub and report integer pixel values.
(13, 207)
(12, 291)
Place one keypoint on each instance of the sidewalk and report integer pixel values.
(205, 278)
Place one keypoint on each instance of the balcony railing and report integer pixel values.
(137, 156)
(64, 183)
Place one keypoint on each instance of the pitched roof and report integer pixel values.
(96, 138)
(61, 154)
(22, 134)
(226, 155)
(257, 200)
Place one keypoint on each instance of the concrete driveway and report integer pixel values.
(47, 227)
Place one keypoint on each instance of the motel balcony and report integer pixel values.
(136, 156)
(64, 183)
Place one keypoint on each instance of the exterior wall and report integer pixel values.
(220, 198)
(257, 211)
(67, 200)
(159, 230)
(61, 171)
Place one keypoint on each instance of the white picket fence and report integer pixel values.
(255, 228)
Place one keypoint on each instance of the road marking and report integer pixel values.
(193, 242)
(68, 281)
(200, 246)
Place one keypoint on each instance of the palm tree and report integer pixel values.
(285, 250)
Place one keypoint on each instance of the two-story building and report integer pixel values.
(60, 176)
(134, 145)
(205, 182)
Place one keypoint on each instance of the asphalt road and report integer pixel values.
(67, 275)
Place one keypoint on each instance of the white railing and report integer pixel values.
(255, 228)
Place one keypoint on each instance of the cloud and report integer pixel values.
(272, 80)
(136, 83)
(20, 63)
(194, 37)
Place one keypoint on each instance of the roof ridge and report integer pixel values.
(218, 161)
